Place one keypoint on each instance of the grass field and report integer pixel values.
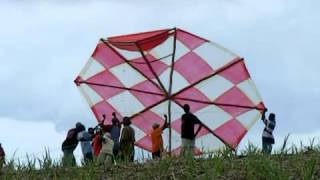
(286, 163)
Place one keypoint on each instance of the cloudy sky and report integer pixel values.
(44, 44)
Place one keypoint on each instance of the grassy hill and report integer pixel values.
(287, 163)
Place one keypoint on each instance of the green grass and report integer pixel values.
(287, 163)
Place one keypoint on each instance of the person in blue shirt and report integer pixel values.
(115, 133)
(85, 141)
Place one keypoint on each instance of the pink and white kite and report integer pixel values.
(146, 75)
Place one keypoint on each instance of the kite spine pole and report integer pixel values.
(170, 89)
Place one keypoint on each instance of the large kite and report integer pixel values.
(146, 75)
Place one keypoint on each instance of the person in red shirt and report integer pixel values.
(156, 138)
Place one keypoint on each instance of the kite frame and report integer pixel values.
(167, 94)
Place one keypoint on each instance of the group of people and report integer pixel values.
(108, 143)
(102, 142)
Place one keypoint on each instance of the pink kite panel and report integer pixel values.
(106, 56)
(157, 66)
(186, 67)
(190, 40)
(231, 132)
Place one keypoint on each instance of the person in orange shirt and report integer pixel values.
(156, 138)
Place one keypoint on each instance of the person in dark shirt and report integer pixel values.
(127, 141)
(68, 146)
(187, 130)
(2, 156)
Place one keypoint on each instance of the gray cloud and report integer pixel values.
(45, 44)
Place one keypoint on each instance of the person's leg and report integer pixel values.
(184, 147)
(101, 158)
(109, 159)
(88, 158)
(264, 147)
(2, 161)
(115, 152)
(68, 158)
(156, 155)
(187, 146)
(132, 155)
(269, 148)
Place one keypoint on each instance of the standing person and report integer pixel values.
(68, 146)
(267, 136)
(2, 157)
(115, 134)
(187, 130)
(97, 138)
(85, 142)
(156, 138)
(96, 142)
(106, 154)
(127, 141)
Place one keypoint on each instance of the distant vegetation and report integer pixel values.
(286, 163)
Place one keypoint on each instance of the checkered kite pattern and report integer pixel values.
(146, 75)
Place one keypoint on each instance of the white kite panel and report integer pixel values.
(214, 87)
(209, 143)
(163, 49)
(249, 118)
(249, 88)
(214, 56)
(127, 75)
(213, 116)
(126, 103)
(92, 68)
(90, 95)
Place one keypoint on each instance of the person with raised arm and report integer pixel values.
(267, 135)
(156, 138)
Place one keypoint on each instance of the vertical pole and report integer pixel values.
(169, 121)
(170, 89)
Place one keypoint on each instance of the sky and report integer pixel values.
(44, 45)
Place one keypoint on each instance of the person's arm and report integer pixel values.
(165, 125)
(263, 117)
(197, 121)
(198, 130)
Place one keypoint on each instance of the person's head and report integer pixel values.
(272, 117)
(114, 114)
(80, 127)
(90, 130)
(155, 125)
(126, 121)
(186, 108)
